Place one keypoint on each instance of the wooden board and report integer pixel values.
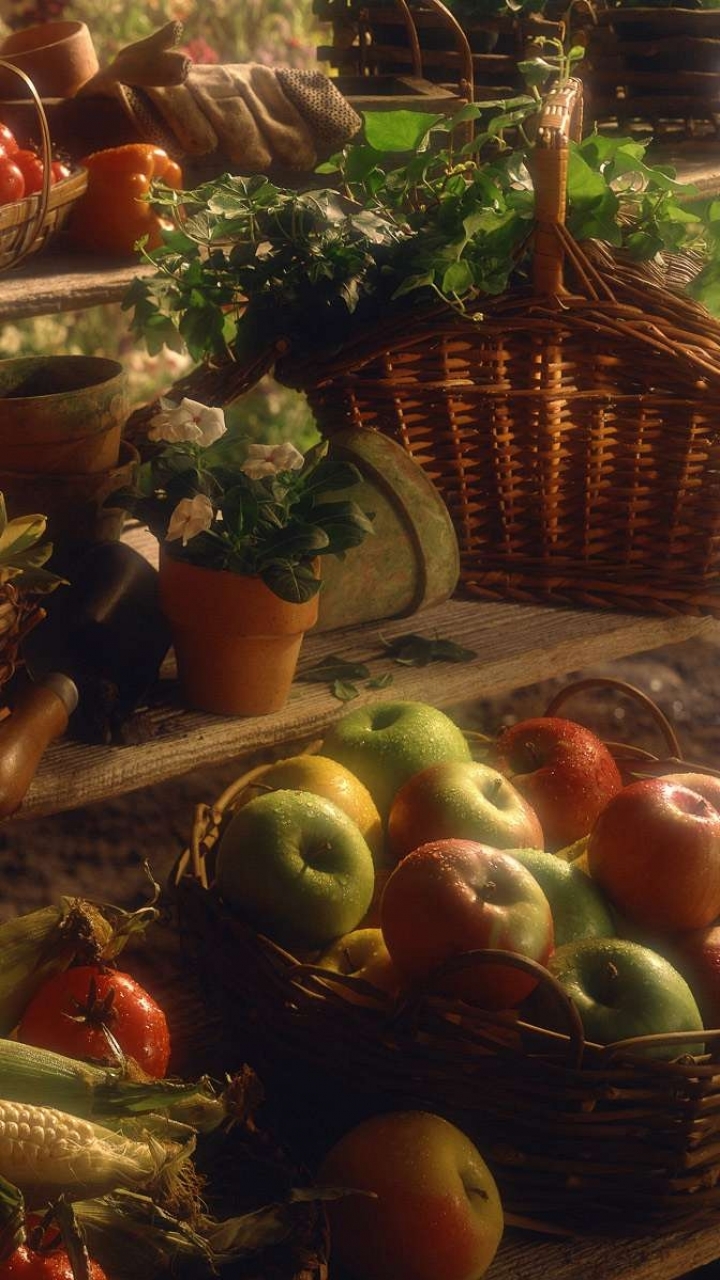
(53, 282)
(515, 646)
(526, 1256)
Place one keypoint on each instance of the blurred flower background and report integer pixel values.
(273, 32)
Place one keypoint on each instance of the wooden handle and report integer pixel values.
(40, 715)
(560, 120)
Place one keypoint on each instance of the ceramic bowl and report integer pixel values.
(57, 56)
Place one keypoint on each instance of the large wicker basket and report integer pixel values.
(655, 70)
(580, 1138)
(28, 225)
(571, 426)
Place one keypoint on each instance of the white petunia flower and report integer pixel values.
(269, 459)
(187, 422)
(190, 517)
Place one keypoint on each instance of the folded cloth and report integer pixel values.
(245, 115)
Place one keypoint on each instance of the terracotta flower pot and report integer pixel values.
(61, 415)
(236, 643)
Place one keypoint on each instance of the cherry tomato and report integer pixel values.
(32, 169)
(8, 143)
(12, 182)
(70, 1012)
(59, 170)
(25, 1264)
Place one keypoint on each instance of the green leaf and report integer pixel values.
(344, 691)
(334, 668)
(413, 650)
(458, 278)
(398, 130)
(292, 582)
(380, 682)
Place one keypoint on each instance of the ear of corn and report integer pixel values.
(135, 1239)
(39, 1076)
(45, 1153)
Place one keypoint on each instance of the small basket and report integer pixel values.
(581, 1138)
(653, 70)
(28, 225)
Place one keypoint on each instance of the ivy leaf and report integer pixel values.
(344, 691)
(412, 650)
(398, 130)
(334, 668)
(380, 682)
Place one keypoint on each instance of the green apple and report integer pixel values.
(385, 743)
(622, 989)
(422, 1204)
(579, 907)
(296, 867)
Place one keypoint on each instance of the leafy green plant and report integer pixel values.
(219, 501)
(24, 552)
(410, 212)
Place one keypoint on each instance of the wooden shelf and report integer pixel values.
(516, 645)
(652, 1257)
(50, 283)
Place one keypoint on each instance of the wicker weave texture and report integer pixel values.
(25, 227)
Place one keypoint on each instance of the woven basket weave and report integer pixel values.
(580, 1138)
(653, 69)
(28, 225)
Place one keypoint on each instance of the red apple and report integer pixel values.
(563, 770)
(655, 850)
(426, 1208)
(454, 896)
(461, 799)
(706, 784)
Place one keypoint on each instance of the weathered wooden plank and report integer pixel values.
(650, 1257)
(51, 283)
(515, 645)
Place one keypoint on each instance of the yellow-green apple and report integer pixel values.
(296, 867)
(622, 989)
(655, 850)
(384, 743)
(324, 777)
(461, 799)
(578, 905)
(362, 954)
(427, 1206)
(696, 955)
(455, 896)
(564, 771)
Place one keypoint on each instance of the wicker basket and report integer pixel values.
(655, 70)
(27, 225)
(580, 1138)
(478, 57)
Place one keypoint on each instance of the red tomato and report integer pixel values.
(8, 144)
(25, 1264)
(59, 170)
(32, 169)
(69, 1012)
(12, 182)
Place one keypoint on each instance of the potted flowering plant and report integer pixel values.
(241, 527)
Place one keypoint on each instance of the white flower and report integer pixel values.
(190, 517)
(269, 459)
(187, 422)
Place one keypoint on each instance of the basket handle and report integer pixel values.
(466, 79)
(560, 120)
(35, 223)
(631, 691)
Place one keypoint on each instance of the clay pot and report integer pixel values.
(58, 57)
(73, 504)
(61, 414)
(236, 643)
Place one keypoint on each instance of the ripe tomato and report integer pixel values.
(12, 182)
(8, 143)
(69, 1013)
(31, 166)
(59, 170)
(26, 1264)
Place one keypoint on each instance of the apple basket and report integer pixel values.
(580, 1137)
